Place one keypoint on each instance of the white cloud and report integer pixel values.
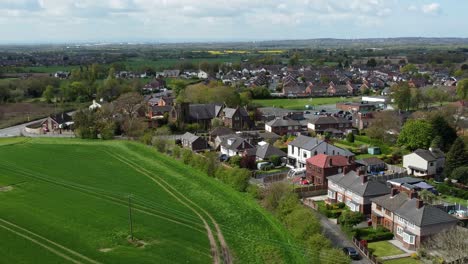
(432, 8)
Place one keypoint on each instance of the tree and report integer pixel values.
(456, 157)
(48, 93)
(401, 93)
(350, 137)
(385, 124)
(274, 193)
(371, 63)
(462, 89)
(276, 160)
(450, 245)
(178, 86)
(460, 174)
(428, 196)
(436, 142)
(416, 134)
(436, 95)
(409, 68)
(128, 106)
(294, 60)
(350, 219)
(442, 129)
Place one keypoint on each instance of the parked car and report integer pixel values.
(223, 158)
(351, 252)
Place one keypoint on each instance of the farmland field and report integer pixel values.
(300, 103)
(67, 201)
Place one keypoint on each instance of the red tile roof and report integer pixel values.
(323, 161)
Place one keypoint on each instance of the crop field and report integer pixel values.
(300, 103)
(69, 200)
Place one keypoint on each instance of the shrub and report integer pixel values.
(341, 205)
(254, 191)
(235, 161)
(350, 137)
(276, 160)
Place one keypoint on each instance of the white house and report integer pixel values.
(302, 148)
(424, 162)
(202, 74)
(233, 145)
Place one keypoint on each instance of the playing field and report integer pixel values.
(300, 103)
(67, 201)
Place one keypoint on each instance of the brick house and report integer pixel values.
(283, 126)
(321, 166)
(355, 191)
(409, 218)
(194, 142)
(321, 123)
(356, 107)
(237, 118)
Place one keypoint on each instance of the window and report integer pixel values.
(379, 208)
(431, 164)
(387, 212)
(399, 231)
(340, 198)
(331, 194)
(408, 238)
(305, 155)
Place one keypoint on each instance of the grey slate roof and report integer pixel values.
(370, 161)
(424, 216)
(221, 131)
(279, 122)
(408, 180)
(189, 137)
(391, 203)
(352, 182)
(267, 150)
(204, 111)
(429, 155)
(315, 144)
(319, 120)
(229, 112)
(238, 143)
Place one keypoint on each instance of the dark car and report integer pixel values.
(223, 158)
(351, 252)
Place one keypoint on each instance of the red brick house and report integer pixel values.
(320, 124)
(283, 126)
(321, 166)
(236, 118)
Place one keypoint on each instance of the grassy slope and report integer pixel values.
(300, 103)
(86, 223)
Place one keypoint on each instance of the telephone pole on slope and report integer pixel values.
(130, 216)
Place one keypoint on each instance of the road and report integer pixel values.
(15, 131)
(334, 233)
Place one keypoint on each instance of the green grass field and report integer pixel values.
(66, 201)
(300, 103)
(384, 248)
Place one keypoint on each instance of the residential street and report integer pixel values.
(334, 233)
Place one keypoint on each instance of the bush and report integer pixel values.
(147, 138)
(235, 161)
(373, 235)
(341, 205)
(350, 137)
(254, 191)
(276, 160)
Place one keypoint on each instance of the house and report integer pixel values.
(355, 190)
(94, 105)
(423, 162)
(220, 131)
(270, 113)
(409, 218)
(202, 75)
(302, 148)
(356, 107)
(200, 114)
(363, 120)
(372, 164)
(56, 123)
(194, 142)
(321, 166)
(237, 118)
(410, 185)
(283, 126)
(321, 123)
(171, 73)
(166, 101)
(265, 151)
(233, 145)
(158, 112)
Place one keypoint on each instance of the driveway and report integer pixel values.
(337, 237)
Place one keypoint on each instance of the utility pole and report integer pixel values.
(130, 216)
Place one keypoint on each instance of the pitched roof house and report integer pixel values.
(194, 142)
(355, 190)
(302, 148)
(283, 126)
(409, 218)
(265, 151)
(321, 123)
(233, 145)
(321, 166)
(237, 118)
(423, 162)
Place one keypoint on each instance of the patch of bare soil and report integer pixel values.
(6, 189)
(105, 250)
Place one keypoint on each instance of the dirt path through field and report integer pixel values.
(212, 240)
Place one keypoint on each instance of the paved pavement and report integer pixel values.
(337, 237)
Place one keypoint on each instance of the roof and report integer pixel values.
(267, 150)
(429, 155)
(326, 161)
(229, 112)
(352, 181)
(61, 118)
(204, 111)
(424, 216)
(315, 144)
(319, 120)
(279, 122)
(391, 203)
(234, 142)
(189, 137)
(221, 131)
(370, 161)
(423, 185)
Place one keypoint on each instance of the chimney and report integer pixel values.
(394, 192)
(345, 170)
(330, 162)
(413, 195)
(363, 178)
(419, 203)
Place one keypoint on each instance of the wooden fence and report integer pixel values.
(364, 251)
(308, 191)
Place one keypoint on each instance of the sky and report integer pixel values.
(71, 21)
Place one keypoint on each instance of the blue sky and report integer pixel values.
(65, 21)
